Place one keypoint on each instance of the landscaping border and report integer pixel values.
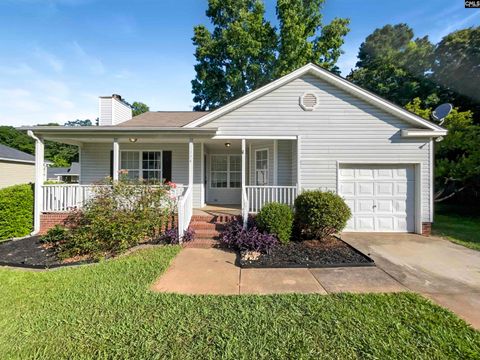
(370, 262)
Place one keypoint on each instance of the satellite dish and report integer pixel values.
(441, 112)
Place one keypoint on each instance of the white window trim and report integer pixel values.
(268, 166)
(228, 172)
(140, 168)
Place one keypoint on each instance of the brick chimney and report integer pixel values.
(113, 110)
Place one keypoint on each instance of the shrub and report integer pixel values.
(55, 235)
(238, 238)
(116, 218)
(319, 214)
(16, 211)
(276, 219)
(170, 236)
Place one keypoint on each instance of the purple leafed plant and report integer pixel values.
(236, 237)
(170, 236)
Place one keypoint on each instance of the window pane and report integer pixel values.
(262, 177)
(219, 179)
(151, 175)
(235, 179)
(129, 160)
(132, 174)
(235, 163)
(152, 160)
(219, 163)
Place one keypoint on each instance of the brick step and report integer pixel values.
(206, 234)
(214, 218)
(201, 225)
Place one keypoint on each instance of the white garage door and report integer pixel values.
(381, 197)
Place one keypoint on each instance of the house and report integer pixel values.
(69, 174)
(307, 130)
(16, 167)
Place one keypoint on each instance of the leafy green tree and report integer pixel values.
(234, 58)
(458, 155)
(303, 38)
(139, 108)
(394, 65)
(244, 51)
(56, 152)
(79, 122)
(457, 67)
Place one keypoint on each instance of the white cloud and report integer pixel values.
(92, 63)
(450, 26)
(50, 59)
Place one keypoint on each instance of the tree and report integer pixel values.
(244, 51)
(394, 65)
(302, 38)
(458, 155)
(457, 67)
(139, 108)
(236, 57)
(58, 153)
(78, 122)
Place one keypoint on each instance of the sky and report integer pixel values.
(58, 56)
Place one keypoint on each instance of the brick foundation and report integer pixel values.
(49, 220)
(426, 229)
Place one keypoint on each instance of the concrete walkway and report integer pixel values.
(213, 271)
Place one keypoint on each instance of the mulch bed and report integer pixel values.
(331, 252)
(31, 253)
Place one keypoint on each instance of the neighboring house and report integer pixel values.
(307, 130)
(69, 174)
(16, 167)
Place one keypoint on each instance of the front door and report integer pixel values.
(224, 180)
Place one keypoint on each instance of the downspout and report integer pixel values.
(39, 155)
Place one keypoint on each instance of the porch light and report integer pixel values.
(227, 144)
(133, 140)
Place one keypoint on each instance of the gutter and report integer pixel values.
(412, 133)
(38, 187)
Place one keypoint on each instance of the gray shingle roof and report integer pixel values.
(9, 153)
(53, 172)
(163, 119)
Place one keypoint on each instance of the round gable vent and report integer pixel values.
(308, 101)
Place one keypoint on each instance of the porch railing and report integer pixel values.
(258, 196)
(185, 211)
(66, 197)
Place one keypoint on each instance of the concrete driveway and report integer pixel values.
(447, 273)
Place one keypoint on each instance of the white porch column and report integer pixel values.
(190, 163)
(244, 211)
(299, 173)
(275, 162)
(116, 159)
(39, 178)
(244, 147)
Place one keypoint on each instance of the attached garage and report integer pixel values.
(381, 197)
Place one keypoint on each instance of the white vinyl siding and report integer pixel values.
(341, 128)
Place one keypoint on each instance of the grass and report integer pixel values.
(107, 311)
(458, 224)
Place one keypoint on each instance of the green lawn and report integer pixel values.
(106, 311)
(459, 225)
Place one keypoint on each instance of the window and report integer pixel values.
(261, 167)
(129, 161)
(146, 165)
(226, 171)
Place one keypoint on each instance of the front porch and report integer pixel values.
(213, 175)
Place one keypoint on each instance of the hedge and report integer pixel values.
(16, 211)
